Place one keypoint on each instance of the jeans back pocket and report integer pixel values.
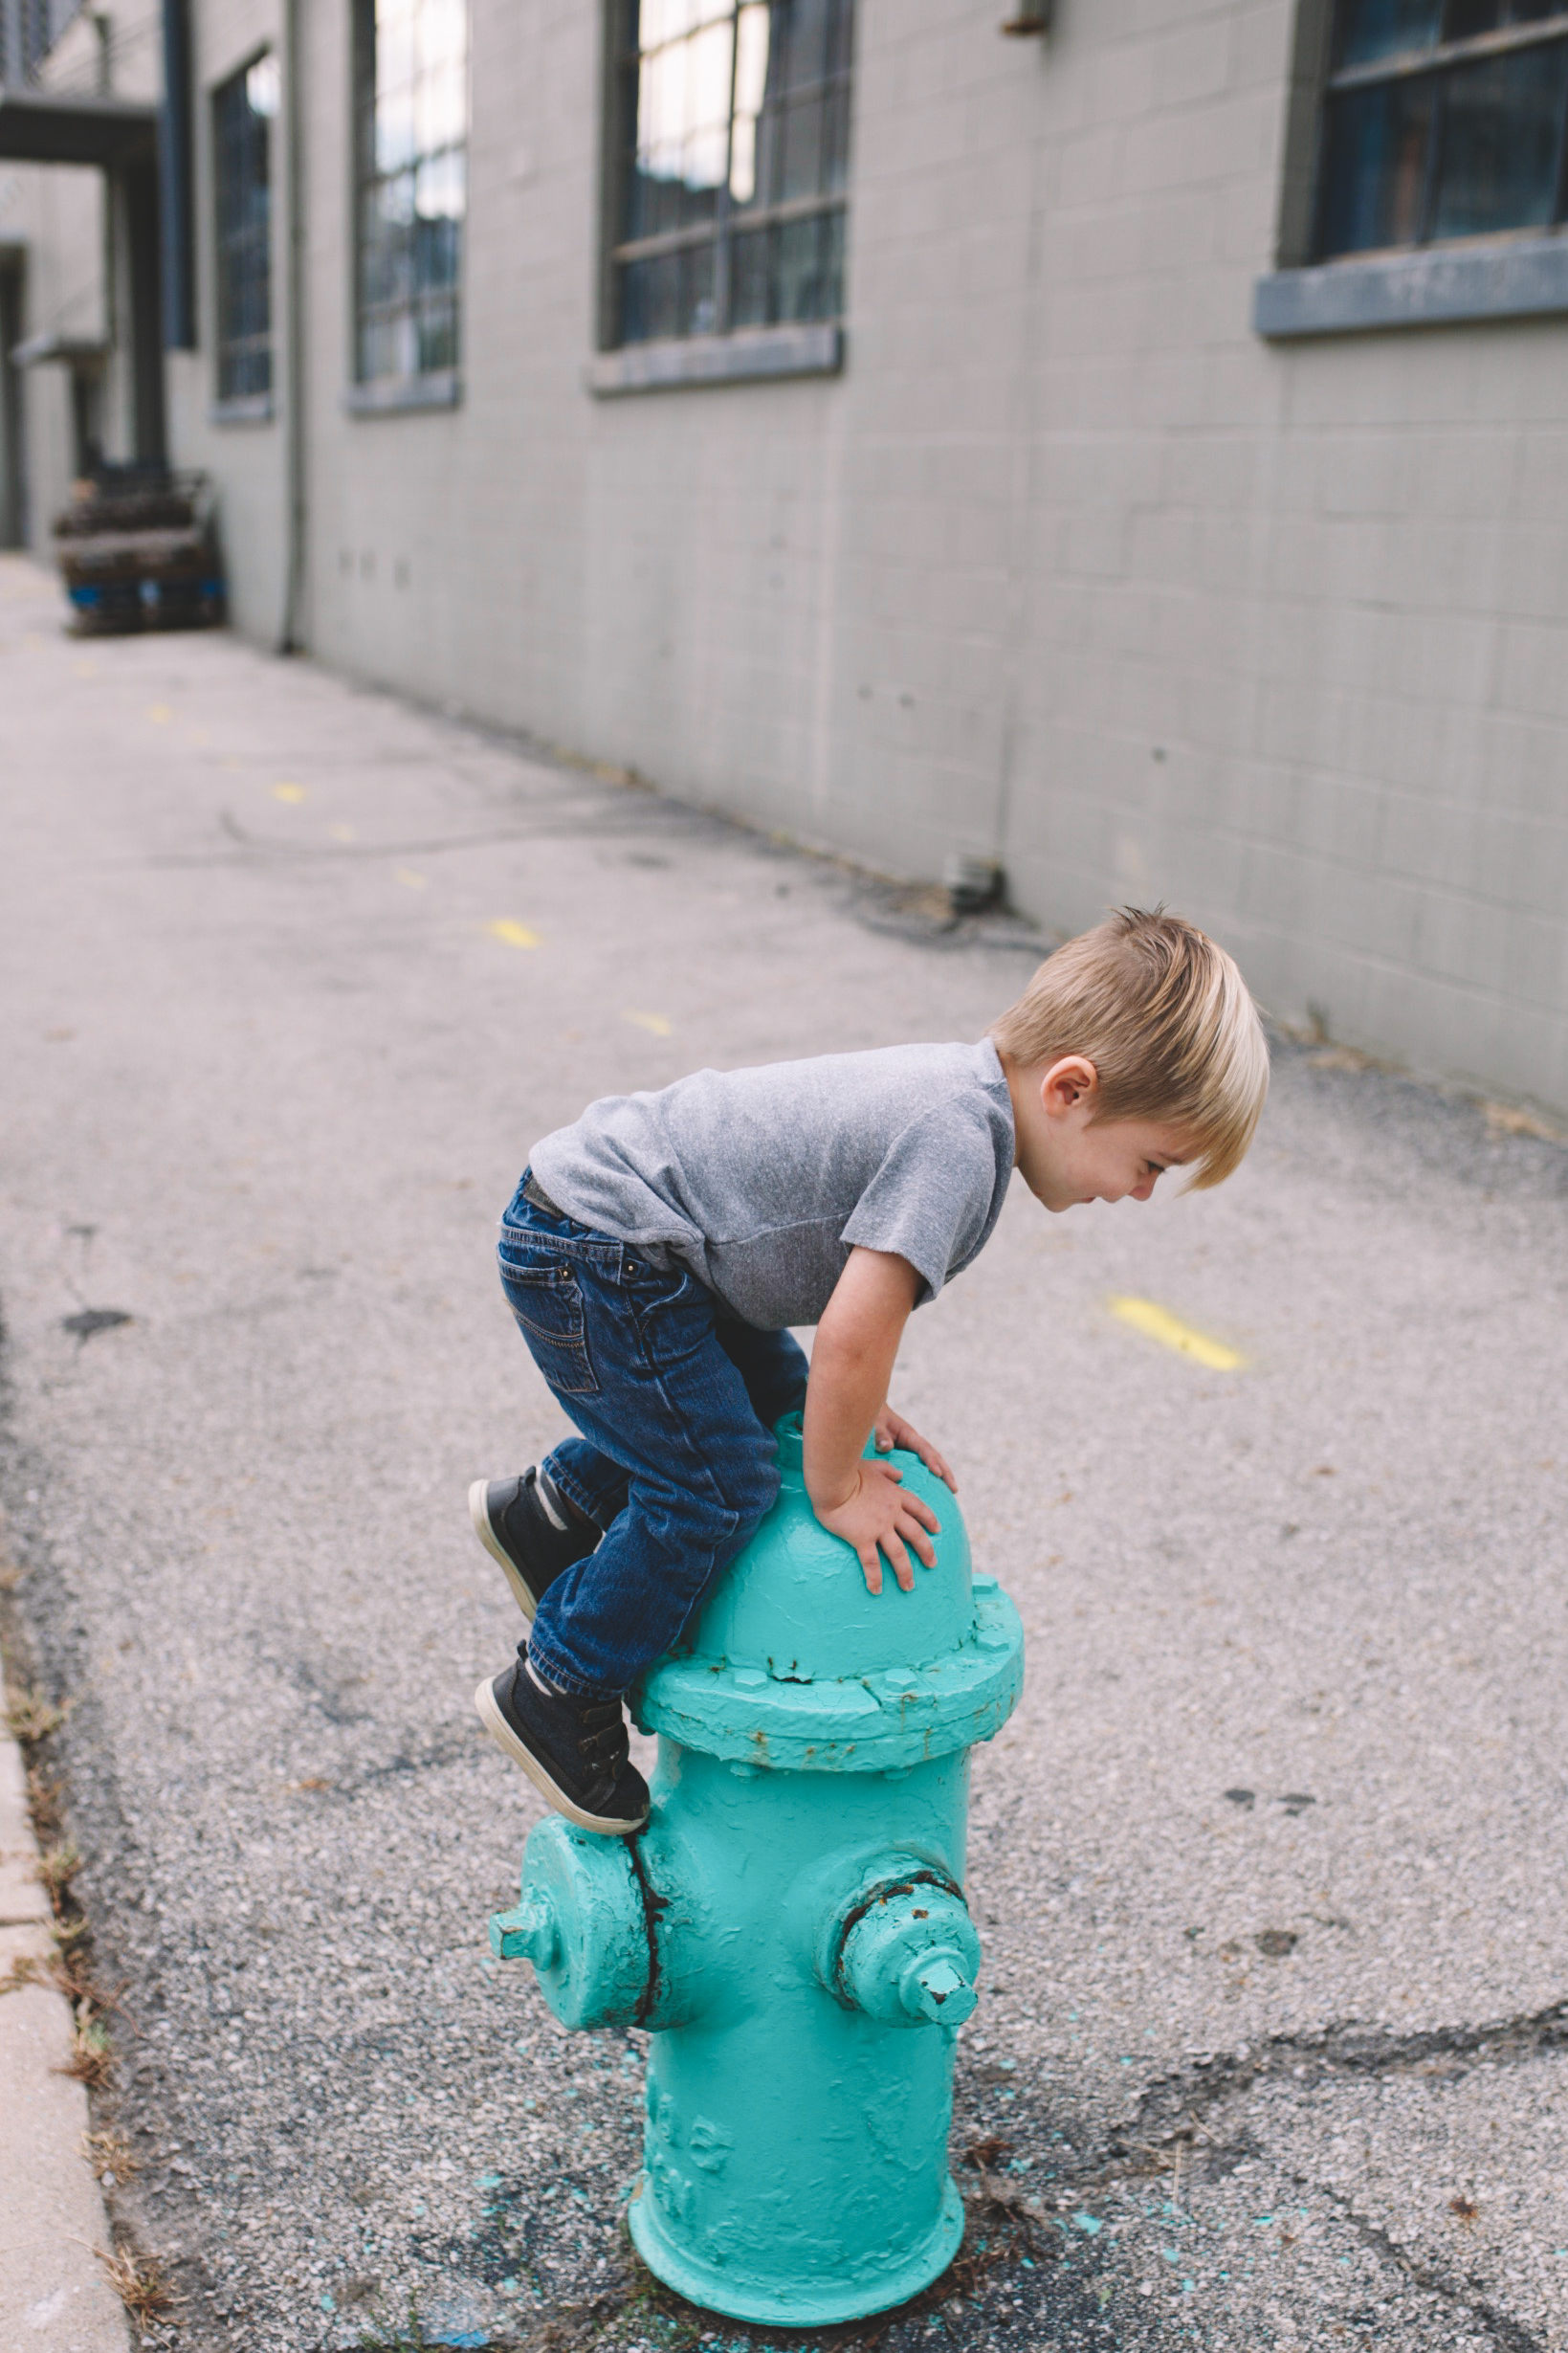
(547, 1302)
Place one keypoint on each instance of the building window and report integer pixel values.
(730, 122)
(244, 109)
(411, 142)
(29, 30)
(1442, 119)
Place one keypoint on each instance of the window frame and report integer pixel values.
(728, 352)
(1500, 274)
(427, 388)
(1436, 64)
(256, 407)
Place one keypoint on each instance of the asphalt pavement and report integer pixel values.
(1269, 1862)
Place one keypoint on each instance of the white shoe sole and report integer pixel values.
(503, 1736)
(486, 1534)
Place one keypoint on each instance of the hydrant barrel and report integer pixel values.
(791, 1925)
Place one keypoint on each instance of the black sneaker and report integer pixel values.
(533, 1536)
(574, 1751)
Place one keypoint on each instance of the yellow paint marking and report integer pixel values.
(85, 670)
(516, 935)
(340, 832)
(655, 1023)
(410, 880)
(1159, 1323)
(160, 714)
(287, 792)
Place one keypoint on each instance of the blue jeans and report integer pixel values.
(676, 1401)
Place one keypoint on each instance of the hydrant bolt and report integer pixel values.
(936, 1987)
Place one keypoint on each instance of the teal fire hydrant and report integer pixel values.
(791, 1925)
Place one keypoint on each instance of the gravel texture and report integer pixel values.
(1269, 1863)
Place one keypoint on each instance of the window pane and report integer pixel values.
(750, 269)
(832, 266)
(670, 294)
(1468, 17)
(803, 149)
(798, 283)
(242, 112)
(1498, 155)
(1375, 166)
(1370, 29)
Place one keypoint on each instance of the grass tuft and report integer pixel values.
(137, 2280)
(92, 2058)
(30, 1717)
(57, 1866)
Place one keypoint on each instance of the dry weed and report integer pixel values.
(110, 2156)
(137, 2280)
(1512, 1119)
(1344, 1058)
(30, 1717)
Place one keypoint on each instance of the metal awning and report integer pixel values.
(40, 126)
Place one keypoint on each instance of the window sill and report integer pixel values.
(749, 356)
(256, 409)
(1513, 278)
(396, 395)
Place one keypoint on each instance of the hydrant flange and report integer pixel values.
(867, 1723)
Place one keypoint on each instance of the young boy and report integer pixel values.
(655, 1253)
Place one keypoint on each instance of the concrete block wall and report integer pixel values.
(1300, 611)
(1067, 566)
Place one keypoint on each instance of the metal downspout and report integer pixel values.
(175, 210)
(291, 636)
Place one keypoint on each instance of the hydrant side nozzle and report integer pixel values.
(909, 1955)
(529, 1933)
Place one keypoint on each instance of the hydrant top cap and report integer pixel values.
(795, 1602)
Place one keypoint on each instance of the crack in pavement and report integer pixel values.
(1341, 2050)
(1505, 2331)
(1171, 2113)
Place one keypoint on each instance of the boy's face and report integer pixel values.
(1067, 1156)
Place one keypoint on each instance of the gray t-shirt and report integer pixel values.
(762, 1181)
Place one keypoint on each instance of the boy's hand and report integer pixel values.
(851, 1365)
(892, 1429)
(877, 1516)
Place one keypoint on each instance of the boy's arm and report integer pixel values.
(846, 1397)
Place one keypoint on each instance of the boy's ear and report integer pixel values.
(1067, 1084)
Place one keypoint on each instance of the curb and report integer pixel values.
(54, 2296)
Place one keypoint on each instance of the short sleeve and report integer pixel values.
(932, 1199)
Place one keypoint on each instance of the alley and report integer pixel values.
(1269, 1863)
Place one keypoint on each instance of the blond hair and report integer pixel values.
(1166, 1018)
